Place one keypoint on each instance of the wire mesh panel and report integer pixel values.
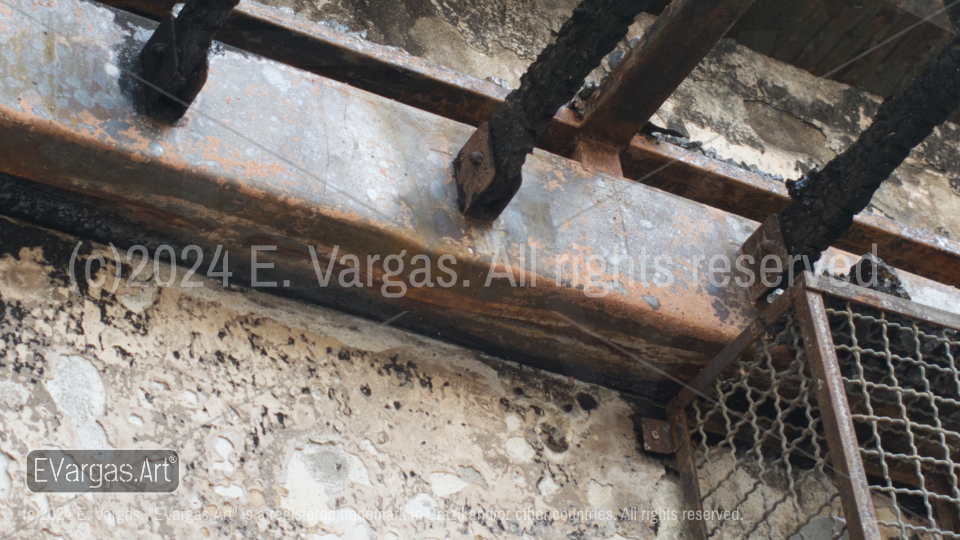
(840, 419)
(903, 386)
(760, 452)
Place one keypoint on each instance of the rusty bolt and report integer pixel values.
(476, 157)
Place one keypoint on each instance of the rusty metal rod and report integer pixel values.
(824, 203)
(488, 168)
(174, 60)
(687, 465)
(650, 72)
(851, 478)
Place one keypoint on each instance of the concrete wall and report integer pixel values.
(322, 412)
(294, 421)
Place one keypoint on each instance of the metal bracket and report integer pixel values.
(656, 436)
(488, 170)
(174, 60)
(764, 243)
(474, 170)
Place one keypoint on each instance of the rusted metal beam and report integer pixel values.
(488, 168)
(741, 192)
(886, 302)
(416, 82)
(650, 72)
(246, 168)
(598, 156)
(851, 478)
(765, 246)
(696, 529)
(174, 60)
(385, 71)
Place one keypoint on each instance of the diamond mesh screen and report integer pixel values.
(762, 457)
(903, 387)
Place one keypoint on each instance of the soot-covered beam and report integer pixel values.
(824, 202)
(174, 60)
(487, 169)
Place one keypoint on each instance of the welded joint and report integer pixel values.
(474, 169)
(598, 155)
(765, 255)
(488, 170)
(174, 60)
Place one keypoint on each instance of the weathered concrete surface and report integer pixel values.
(824, 202)
(363, 418)
(333, 427)
(823, 37)
(489, 39)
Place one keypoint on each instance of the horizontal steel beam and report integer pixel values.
(271, 155)
(414, 81)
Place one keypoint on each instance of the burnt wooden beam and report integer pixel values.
(174, 60)
(650, 72)
(487, 169)
(824, 202)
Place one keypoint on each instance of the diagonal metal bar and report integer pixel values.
(174, 60)
(487, 169)
(824, 203)
(668, 51)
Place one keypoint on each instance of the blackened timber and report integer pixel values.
(650, 72)
(824, 202)
(174, 60)
(488, 169)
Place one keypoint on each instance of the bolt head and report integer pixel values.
(476, 157)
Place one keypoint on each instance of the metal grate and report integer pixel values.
(903, 387)
(836, 414)
(760, 452)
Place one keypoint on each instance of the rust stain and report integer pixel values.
(90, 121)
